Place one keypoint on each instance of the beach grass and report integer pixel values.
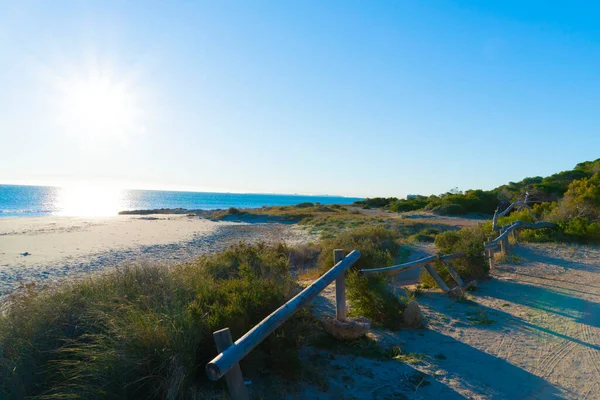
(145, 331)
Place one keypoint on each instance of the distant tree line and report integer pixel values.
(569, 198)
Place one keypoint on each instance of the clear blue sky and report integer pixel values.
(366, 98)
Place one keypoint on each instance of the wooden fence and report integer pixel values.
(227, 362)
(428, 264)
(490, 247)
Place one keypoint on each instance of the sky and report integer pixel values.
(354, 98)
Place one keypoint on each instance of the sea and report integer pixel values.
(32, 201)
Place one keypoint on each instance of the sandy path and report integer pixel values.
(532, 331)
(50, 248)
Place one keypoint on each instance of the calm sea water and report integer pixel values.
(26, 201)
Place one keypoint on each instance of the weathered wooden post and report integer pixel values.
(490, 253)
(437, 278)
(340, 287)
(454, 275)
(502, 243)
(234, 378)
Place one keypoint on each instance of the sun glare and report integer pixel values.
(89, 201)
(98, 109)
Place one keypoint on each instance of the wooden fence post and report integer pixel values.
(431, 269)
(454, 275)
(234, 378)
(340, 287)
(490, 253)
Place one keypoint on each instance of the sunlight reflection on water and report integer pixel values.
(104, 200)
(89, 201)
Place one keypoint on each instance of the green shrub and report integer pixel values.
(514, 216)
(540, 235)
(409, 204)
(471, 201)
(471, 266)
(234, 211)
(304, 256)
(421, 237)
(569, 229)
(369, 297)
(582, 199)
(580, 229)
(375, 243)
(449, 209)
(145, 331)
(305, 205)
(376, 202)
(244, 260)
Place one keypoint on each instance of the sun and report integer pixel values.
(98, 108)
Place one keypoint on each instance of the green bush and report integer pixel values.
(375, 243)
(479, 201)
(582, 199)
(234, 211)
(145, 331)
(449, 209)
(423, 238)
(305, 205)
(244, 260)
(580, 229)
(577, 214)
(541, 235)
(409, 204)
(376, 202)
(369, 297)
(468, 241)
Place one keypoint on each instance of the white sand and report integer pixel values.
(58, 247)
(543, 343)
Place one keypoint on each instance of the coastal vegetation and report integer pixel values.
(145, 331)
(571, 199)
(371, 298)
(468, 241)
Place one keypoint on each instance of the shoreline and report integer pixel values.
(48, 249)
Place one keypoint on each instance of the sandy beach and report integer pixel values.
(47, 249)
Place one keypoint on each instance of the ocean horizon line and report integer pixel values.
(67, 186)
(35, 200)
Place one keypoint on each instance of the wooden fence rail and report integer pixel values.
(227, 362)
(517, 225)
(489, 248)
(396, 269)
(427, 263)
